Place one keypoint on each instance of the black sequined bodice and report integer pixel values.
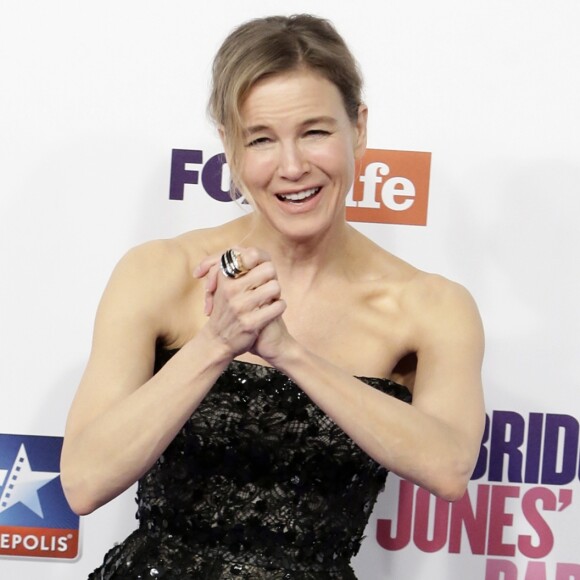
(258, 484)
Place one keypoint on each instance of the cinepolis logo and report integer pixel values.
(389, 187)
(35, 518)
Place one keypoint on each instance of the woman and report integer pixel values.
(230, 394)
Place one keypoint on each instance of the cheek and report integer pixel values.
(257, 168)
(337, 161)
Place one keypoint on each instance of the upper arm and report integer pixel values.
(127, 326)
(449, 347)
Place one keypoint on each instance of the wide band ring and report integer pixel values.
(231, 264)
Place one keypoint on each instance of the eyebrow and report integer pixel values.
(324, 119)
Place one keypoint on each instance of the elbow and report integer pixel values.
(80, 483)
(452, 490)
(78, 503)
(79, 499)
(81, 509)
(451, 477)
(450, 483)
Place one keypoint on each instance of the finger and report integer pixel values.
(240, 301)
(208, 303)
(252, 257)
(211, 279)
(263, 295)
(256, 277)
(261, 317)
(210, 288)
(205, 265)
(251, 291)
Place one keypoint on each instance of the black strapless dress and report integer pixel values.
(258, 484)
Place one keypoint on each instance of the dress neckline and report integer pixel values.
(166, 353)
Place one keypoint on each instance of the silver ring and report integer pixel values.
(231, 264)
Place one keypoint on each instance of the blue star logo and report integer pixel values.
(21, 484)
(35, 518)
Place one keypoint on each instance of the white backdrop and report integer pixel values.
(94, 97)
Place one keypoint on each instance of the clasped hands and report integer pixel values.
(245, 313)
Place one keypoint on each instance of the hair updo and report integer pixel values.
(265, 47)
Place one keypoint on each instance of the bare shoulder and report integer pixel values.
(152, 279)
(419, 293)
(433, 290)
(166, 265)
(153, 282)
(156, 268)
(198, 244)
(441, 308)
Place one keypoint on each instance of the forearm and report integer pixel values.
(403, 438)
(115, 449)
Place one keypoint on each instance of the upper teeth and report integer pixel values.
(300, 195)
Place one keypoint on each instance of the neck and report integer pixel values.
(303, 259)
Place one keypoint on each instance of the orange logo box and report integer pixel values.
(390, 187)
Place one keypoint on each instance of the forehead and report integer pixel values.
(291, 96)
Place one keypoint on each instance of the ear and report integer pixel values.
(360, 134)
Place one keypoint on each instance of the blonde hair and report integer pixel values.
(274, 45)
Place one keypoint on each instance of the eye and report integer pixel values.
(317, 133)
(256, 142)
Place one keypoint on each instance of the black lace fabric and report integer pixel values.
(259, 484)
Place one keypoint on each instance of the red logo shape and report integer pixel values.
(390, 187)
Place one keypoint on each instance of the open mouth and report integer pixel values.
(299, 196)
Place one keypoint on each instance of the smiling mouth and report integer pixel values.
(299, 196)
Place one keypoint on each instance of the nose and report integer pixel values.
(292, 164)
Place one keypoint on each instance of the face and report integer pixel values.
(299, 152)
